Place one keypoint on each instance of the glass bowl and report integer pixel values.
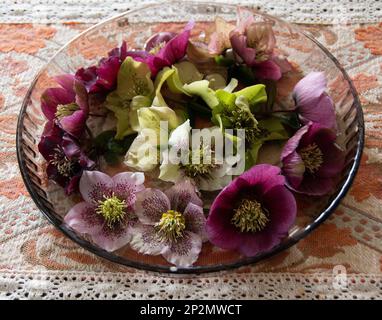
(134, 27)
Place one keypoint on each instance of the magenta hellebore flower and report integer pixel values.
(254, 43)
(171, 224)
(166, 49)
(311, 161)
(312, 102)
(103, 78)
(253, 213)
(67, 104)
(107, 212)
(65, 159)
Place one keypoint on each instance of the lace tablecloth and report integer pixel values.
(342, 258)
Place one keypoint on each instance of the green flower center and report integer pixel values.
(312, 157)
(64, 110)
(205, 166)
(171, 226)
(243, 119)
(250, 216)
(63, 164)
(112, 209)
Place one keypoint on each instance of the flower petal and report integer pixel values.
(94, 185)
(158, 39)
(282, 212)
(309, 89)
(51, 98)
(74, 124)
(239, 46)
(293, 169)
(126, 185)
(112, 239)
(144, 240)
(195, 220)
(294, 142)
(185, 251)
(268, 70)
(150, 205)
(181, 194)
(83, 219)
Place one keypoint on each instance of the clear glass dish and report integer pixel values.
(134, 27)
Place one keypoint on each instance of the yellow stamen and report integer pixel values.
(171, 226)
(112, 209)
(64, 110)
(312, 157)
(250, 216)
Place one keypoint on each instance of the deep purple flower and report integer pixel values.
(103, 78)
(171, 224)
(313, 103)
(311, 161)
(67, 104)
(107, 212)
(253, 213)
(172, 51)
(253, 43)
(65, 159)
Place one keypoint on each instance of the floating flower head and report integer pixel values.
(253, 213)
(200, 164)
(166, 49)
(172, 224)
(67, 104)
(313, 103)
(107, 212)
(66, 160)
(103, 77)
(253, 43)
(134, 90)
(311, 160)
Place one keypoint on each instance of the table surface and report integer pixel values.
(37, 261)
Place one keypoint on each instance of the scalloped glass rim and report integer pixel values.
(292, 238)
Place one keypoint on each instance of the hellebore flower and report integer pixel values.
(66, 161)
(253, 213)
(170, 52)
(107, 212)
(171, 224)
(68, 104)
(254, 44)
(198, 164)
(134, 90)
(220, 38)
(313, 103)
(103, 77)
(311, 161)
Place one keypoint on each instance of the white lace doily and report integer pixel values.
(92, 11)
(81, 285)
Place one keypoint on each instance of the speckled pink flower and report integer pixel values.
(107, 212)
(172, 224)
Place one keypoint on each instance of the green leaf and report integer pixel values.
(110, 148)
